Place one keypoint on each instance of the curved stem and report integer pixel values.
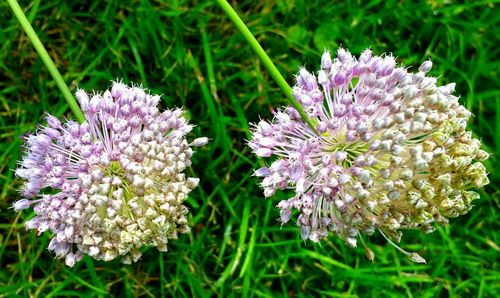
(268, 64)
(37, 44)
(415, 257)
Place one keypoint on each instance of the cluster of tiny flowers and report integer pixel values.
(112, 184)
(388, 150)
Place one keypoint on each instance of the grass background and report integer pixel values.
(191, 53)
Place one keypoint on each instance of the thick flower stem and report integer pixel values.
(269, 65)
(37, 44)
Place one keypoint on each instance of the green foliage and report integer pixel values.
(191, 53)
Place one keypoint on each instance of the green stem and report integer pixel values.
(268, 64)
(415, 257)
(37, 44)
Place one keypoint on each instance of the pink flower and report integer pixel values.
(118, 177)
(389, 150)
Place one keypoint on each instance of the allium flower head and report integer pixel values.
(112, 184)
(388, 150)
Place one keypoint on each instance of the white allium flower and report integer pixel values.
(388, 151)
(118, 176)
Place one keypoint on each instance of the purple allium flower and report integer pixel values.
(112, 184)
(389, 150)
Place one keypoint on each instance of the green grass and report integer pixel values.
(191, 53)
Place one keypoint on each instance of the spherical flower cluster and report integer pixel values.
(388, 150)
(112, 184)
